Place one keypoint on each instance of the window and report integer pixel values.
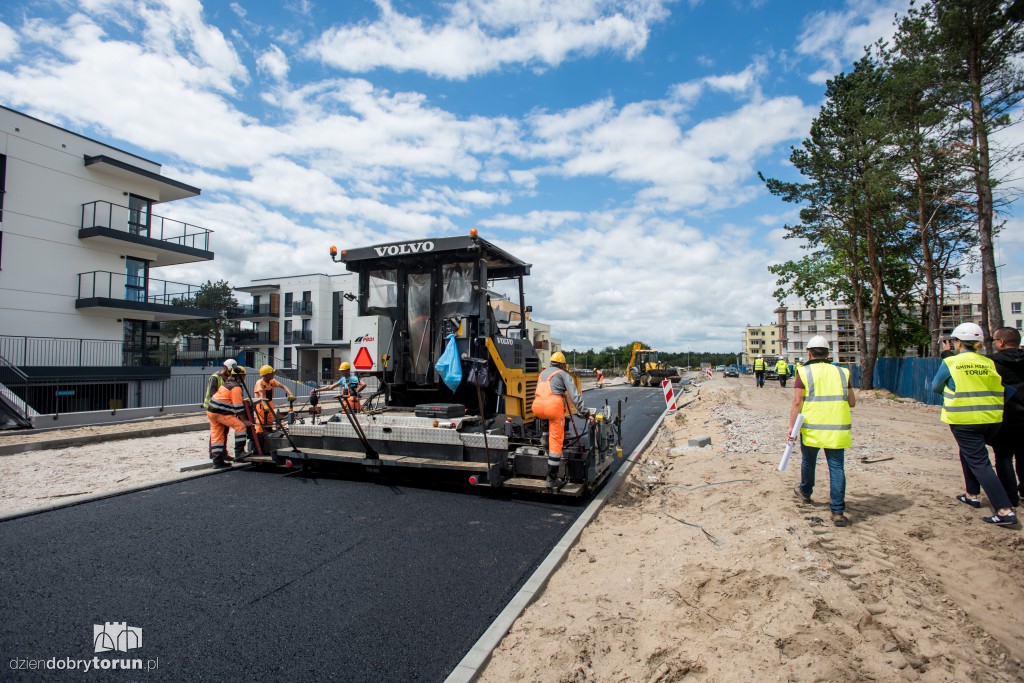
(795, 329)
(287, 328)
(307, 295)
(287, 356)
(828, 328)
(1015, 308)
(813, 329)
(288, 304)
(139, 215)
(814, 314)
(135, 280)
(1018, 323)
(828, 314)
(338, 315)
(796, 315)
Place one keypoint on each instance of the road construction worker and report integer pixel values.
(782, 370)
(600, 378)
(216, 380)
(760, 365)
(263, 394)
(822, 393)
(226, 411)
(555, 388)
(972, 406)
(349, 385)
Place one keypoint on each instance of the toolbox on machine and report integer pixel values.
(440, 410)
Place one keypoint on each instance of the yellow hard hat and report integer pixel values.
(558, 357)
(266, 370)
(238, 370)
(345, 366)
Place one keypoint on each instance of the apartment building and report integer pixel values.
(299, 323)
(82, 239)
(832, 320)
(801, 321)
(760, 340)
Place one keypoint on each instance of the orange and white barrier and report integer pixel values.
(707, 373)
(670, 395)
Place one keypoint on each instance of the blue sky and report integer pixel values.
(614, 144)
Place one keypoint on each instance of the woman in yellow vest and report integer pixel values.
(972, 406)
(822, 392)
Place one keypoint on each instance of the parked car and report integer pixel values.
(720, 368)
(732, 371)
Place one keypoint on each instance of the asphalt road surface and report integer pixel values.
(252, 575)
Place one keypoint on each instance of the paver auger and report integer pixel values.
(412, 297)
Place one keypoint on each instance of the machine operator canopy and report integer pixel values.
(416, 253)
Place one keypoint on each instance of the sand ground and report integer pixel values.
(705, 565)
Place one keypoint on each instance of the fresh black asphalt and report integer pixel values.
(250, 575)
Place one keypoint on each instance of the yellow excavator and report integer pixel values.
(645, 369)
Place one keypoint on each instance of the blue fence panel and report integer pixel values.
(908, 377)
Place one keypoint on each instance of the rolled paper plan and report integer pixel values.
(792, 440)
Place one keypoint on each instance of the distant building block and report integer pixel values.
(699, 441)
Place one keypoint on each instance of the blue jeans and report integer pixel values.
(836, 474)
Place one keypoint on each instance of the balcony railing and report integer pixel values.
(250, 338)
(301, 308)
(301, 337)
(252, 311)
(106, 285)
(100, 214)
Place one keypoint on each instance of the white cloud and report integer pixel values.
(838, 38)
(8, 42)
(479, 36)
(274, 62)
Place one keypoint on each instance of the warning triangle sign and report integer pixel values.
(363, 360)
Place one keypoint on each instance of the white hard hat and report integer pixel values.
(817, 342)
(230, 363)
(968, 332)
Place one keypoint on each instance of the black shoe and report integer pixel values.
(220, 463)
(801, 495)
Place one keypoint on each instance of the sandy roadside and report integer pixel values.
(705, 566)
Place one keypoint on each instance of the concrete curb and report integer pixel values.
(113, 494)
(15, 448)
(469, 668)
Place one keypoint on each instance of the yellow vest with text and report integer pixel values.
(978, 398)
(826, 407)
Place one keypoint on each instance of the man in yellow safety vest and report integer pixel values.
(782, 370)
(972, 406)
(760, 365)
(822, 393)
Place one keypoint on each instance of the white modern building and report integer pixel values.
(82, 239)
(301, 323)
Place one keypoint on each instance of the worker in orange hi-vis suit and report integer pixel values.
(225, 412)
(263, 394)
(554, 387)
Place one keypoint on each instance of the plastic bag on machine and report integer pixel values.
(449, 365)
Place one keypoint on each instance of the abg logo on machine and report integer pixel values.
(110, 636)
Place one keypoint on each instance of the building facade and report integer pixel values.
(832, 320)
(83, 236)
(760, 340)
(302, 324)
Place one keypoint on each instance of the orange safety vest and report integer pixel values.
(227, 400)
(547, 405)
(265, 389)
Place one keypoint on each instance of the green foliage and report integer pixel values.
(216, 296)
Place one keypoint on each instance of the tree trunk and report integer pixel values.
(989, 276)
